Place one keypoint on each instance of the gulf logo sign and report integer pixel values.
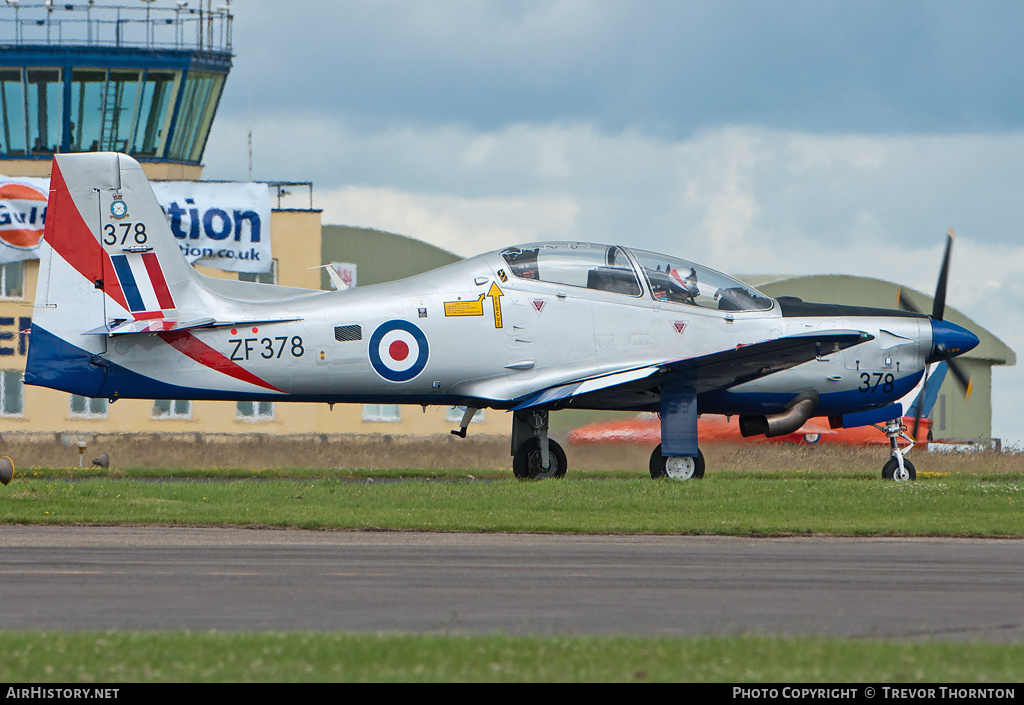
(22, 215)
(398, 351)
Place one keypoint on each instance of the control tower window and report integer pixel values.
(119, 110)
(87, 93)
(154, 115)
(81, 77)
(44, 110)
(198, 104)
(12, 103)
(103, 109)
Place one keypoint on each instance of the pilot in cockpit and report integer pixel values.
(673, 286)
(687, 285)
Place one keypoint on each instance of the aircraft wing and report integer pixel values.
(719, 370)
(744, 363)
(551, 395)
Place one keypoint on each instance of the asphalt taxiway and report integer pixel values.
(96, 577)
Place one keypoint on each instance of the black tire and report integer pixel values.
(526, 462)
(676, 468)
(892, 466)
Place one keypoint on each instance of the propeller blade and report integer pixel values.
(906, 304)
(938, 311)
(919, 406)
(940, 290)
(963, 379)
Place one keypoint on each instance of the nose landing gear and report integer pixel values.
(898, 467)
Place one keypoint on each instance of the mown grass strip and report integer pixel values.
(734, 505)
(153, 657)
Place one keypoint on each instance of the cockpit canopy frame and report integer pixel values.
(619, 270)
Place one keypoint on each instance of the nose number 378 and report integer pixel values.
(873, 380)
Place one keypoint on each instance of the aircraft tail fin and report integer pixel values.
(108, 256)
(129, 251)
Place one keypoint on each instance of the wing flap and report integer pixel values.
(552, 395)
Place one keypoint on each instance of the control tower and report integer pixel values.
(135, 78)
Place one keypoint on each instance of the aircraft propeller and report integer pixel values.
(938, 312)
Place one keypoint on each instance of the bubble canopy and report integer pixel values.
(625, 271)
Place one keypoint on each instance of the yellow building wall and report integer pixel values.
(158, 171)
(296, 242)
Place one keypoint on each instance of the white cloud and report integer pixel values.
(465, 226)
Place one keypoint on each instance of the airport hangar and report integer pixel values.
(148, 82)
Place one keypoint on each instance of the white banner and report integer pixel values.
(222, 225)
(22, 216)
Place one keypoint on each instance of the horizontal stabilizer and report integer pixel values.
(161, 325)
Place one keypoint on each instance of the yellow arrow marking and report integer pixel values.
(495, 293)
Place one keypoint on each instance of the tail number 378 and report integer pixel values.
(123, 233)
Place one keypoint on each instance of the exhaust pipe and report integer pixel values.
(796, 414)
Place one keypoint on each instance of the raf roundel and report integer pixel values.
(398, 351)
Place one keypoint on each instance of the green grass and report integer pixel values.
(298, 473)
(736, 504)
(134, 657)
(984, 500)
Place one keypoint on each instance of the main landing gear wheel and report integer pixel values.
(891, 470)
(679, 468)
(526, 463)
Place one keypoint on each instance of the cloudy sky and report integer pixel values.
(755, 137)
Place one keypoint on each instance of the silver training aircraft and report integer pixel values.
(529, 329)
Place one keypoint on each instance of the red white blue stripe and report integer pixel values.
(142, 281)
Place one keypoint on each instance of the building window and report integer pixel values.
(198, 104)
(12, 280)
(255, 411)
(86, 407)
(260, 277)
(13, 136)
(155, 110)
(455, 414)
(382, 412)
(12, 399)
(172, 409)
(45, 91)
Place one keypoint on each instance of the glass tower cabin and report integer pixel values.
(138, 79)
